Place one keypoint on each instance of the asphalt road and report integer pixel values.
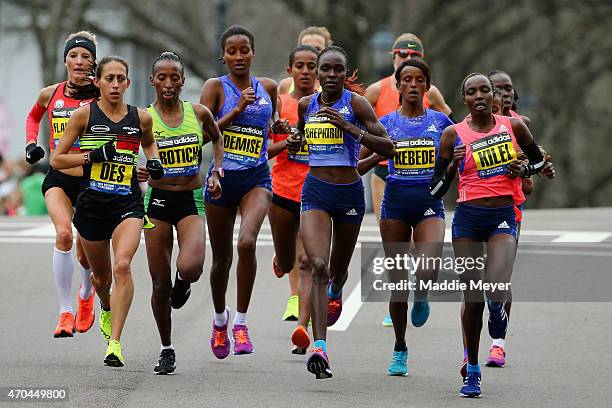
(559, 353)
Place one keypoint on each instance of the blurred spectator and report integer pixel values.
(30, 186)
(20, 188)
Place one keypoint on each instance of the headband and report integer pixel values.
(80, 42)
(408, 45)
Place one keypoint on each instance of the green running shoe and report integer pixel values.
(293, 309)
(105, 324)
(113, 356)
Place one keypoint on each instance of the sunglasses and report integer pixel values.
(403, 53)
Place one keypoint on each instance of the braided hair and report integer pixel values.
(168, 56)
(350, 81)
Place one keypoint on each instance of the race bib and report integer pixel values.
(180, 155)
(415, 157)
(301, 156)
(113, 176)
(59, 119)
(492, 154)
(243, 143)
(323, 137)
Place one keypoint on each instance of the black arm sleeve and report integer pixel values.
(452, 118)
(440, 182)
(536, 160)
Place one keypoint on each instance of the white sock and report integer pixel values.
(87, 285)
(498, 343)
(63, 267)
(221, 318)
(240, 318)
(170, 347)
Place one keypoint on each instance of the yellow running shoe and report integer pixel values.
(113, 356)
(293, 309)
(105, 324)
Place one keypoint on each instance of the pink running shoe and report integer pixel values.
(497, 357)
(242, 341)
(318, 363)
(219, 342)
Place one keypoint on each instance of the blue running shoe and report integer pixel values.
(498, 320)
(419, 313)
(471, 385)
(399, 364)
(387, 321)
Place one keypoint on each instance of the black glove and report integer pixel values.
(103, 153)
(34, 153)
(156, 170)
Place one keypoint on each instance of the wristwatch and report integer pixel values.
(219, 171)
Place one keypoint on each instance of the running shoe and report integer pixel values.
(419, 313)
(276, 269)
(463, 368)
(498, 321)
(219, 342)
(399, 364)
(334, 307)
(113, 356)
(298, 350)
(242, 341)
(497, 357)
(471, 385)
(105, 324)
(300, 337)
(318, 363)
(85, 314)
(65, 325)
(166, 363)
(387, 321)
(180, 293)
(293, 309)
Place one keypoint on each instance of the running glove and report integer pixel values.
(103, 153)
(34, 153)
(156, 170)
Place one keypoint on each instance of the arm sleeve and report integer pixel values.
(33, 123)
(536, 160)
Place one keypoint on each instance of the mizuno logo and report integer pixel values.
(352, 211)
(158, 202)
(504, 224)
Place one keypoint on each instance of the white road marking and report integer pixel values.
(350, 307)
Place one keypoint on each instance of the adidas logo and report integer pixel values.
(351, 212)
(344, 110)
(432, 128)
(429, 212)
(504, 224)
(262, 101)
(503, 128)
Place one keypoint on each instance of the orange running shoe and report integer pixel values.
(85, 314)
(65, 326)
(300, 337)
